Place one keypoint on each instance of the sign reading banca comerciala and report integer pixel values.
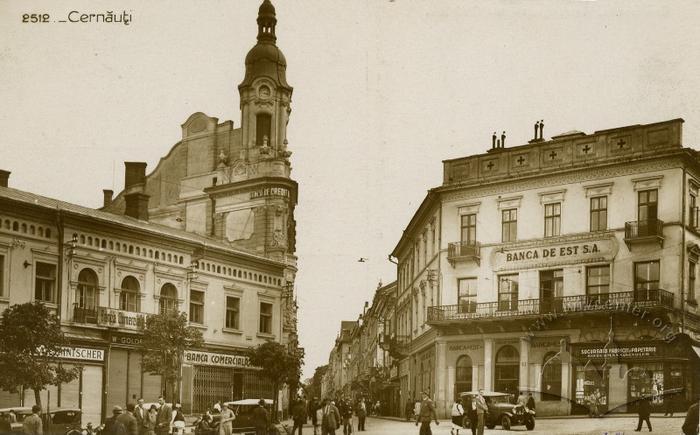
(216, 359)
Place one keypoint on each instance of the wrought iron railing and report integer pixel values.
(468, 249)
(644, 228)
(645, 298)
(84, 315)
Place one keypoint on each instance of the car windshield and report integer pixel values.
(497, 399)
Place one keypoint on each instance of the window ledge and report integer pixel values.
(47, 304)
(265, 335)
(232, 331)
(198, 325)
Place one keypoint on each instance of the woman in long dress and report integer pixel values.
(226, 425)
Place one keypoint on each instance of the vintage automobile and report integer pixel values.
(56, 421)
(503, 412)
(243, 409)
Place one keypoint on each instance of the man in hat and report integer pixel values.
(128, 420)
(112, 425)
(427, 413)
(261, 418)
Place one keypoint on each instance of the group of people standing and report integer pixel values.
(330, 415)
(161, 419)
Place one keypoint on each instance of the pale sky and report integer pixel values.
(383, 92)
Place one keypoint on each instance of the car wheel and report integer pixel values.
(505, 422)
(529, 423)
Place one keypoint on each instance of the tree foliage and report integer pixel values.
(30, 344)
(165, 338)
(279, 364)
(313, 385)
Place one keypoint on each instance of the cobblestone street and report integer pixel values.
(558, 426)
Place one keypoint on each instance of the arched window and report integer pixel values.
(86, 297)
(168, 298)
(463, 375)
(129, 298)
(551, 377)
(507, 370)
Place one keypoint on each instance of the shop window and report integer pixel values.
(551, 377)
(265, 318)
(599, 213)
(509, 225)
(551, 290)
(692, 269)
(552, 219)
(45, 282)
(466, 298)
(168, 298)
(263, 122)
(468, 228)
(646, 379)
(233, 306)
(508, 292)
(129, 298)
(197, 307)
(592, 386)
(597, 284)
(647, 206)
(507, 374)
(463, 375)
(646, 281)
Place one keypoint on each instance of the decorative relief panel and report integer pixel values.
(598, 189)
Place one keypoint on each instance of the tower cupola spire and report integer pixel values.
(266, 22)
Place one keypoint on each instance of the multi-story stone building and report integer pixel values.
(564, 267)
(210, 231)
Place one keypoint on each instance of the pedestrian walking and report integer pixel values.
(298, 415)
(128, 420)
(261, 418)
(643, 411)
(361, 412)
(346, 414)
(481, 410)
(690, 425)
(165, 417)
(112, 425)
(457, 415)
(426, 414)
(32, 424)
(470, 418)
(140, 415)
(330, 418)
(409, 409)
(530, 402)
(313, 407)
(669, 402)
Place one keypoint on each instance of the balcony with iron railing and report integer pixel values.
(109, 317)
(463, 251)
(643, 231)
(523, 308)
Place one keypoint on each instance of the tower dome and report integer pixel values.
(265, 59)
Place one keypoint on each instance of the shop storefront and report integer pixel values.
(617, 375)
(424, 370)
(208, 377)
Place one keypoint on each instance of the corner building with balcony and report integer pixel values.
(209, 232)
(564, 267)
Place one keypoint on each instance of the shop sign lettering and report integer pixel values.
(127, 340)
(270, 191)
(463, 347)
(562, 251)
(618, 352)
(121, 319)
(82, 353)
(215, 359)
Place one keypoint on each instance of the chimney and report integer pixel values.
(136, 205)
(4, 177)
(107, 201)
(134, 173)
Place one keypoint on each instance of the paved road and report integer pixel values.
(559, 426)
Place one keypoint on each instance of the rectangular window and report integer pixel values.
(599, 213)
(45, 283)
(468, 226)
(466, 297)
(416, 248)
(693, 211)
(233, 309)
(265, 318)
(425, 247)
(647, 205)
(646, 281)
(597, 284)
(691, 280)
(508, 292)
(551, 290)
(552, 219)
(196, 306)
(432, 238)
(509, 225)
(263, 122)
